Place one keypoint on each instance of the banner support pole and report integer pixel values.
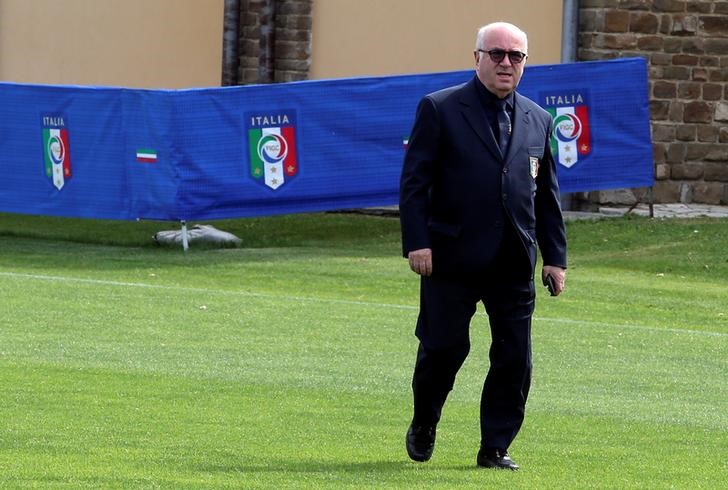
(185, 240)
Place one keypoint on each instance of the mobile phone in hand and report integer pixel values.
(548, 281)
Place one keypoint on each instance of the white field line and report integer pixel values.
(80, 280)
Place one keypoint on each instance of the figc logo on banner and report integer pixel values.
(56, 149)
(272, 148)
(570, 139)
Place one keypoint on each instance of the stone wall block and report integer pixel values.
(677, 111)
(659, 109)
(686, 132)
(716, 153)
(664, 90)
(710, 61)
(634, 54)
(617, 196)
(685, 59)
(292, 35)
(699, 74)
(723, 134)
(695, 45)
(716, 172)
(588, 20)
(635, 4)
(595, 55)
(249, 75)
(714, 25)
(684, 25)
(250, 48)
(644, 22)
(673, 45)
(676, 72)
(615, 21)
(584, 4)
(655, 72)
(687, 171)
(585, 40)
(676, 153)
(293, 65)
(291, 51)
(666, 191)
(248, 18)
(663, 132)
(650, 43)
(718, 75)
(660, 59)
(700, 7)
(716, 46)
(299, 22)
(668, 6)
(708, 192)
(665, 24)
(707, 133)
(696, 152)
(721, 112)
(662, 172)
(698, 112)
(611, 41)
(720, 7)
(289, 76)
(686, 192)
(294, 7)
(251, 31)
(689, 90)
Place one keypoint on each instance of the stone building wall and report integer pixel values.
(292, 39)
(685, 44)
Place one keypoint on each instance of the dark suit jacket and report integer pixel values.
(457, 192)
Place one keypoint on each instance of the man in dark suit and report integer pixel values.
(478, 193)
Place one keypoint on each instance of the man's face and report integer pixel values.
(502, 77)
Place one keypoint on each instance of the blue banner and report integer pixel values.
(115, 153)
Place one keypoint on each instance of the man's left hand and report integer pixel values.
(558, 274)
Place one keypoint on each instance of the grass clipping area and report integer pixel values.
(286, 363)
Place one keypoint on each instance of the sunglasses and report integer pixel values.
(498, 55)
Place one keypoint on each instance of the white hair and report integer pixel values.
(498, 25)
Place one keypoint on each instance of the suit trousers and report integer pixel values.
(447, 305)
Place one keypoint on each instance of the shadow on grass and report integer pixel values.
(320, 466)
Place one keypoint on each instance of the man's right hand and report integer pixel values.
(420, 261)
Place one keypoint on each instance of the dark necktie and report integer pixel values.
(504, 126)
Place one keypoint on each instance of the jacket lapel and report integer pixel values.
(521, 121)
(473, 113)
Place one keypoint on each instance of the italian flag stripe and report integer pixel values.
(256, 164)
(290, 164)
(146, 155)
(46, 158)
(554, 144)
(583, 142)
(63, 134)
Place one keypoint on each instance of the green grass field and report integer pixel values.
(286, 363)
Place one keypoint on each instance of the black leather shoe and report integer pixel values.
(420, 442)
(496, 458)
